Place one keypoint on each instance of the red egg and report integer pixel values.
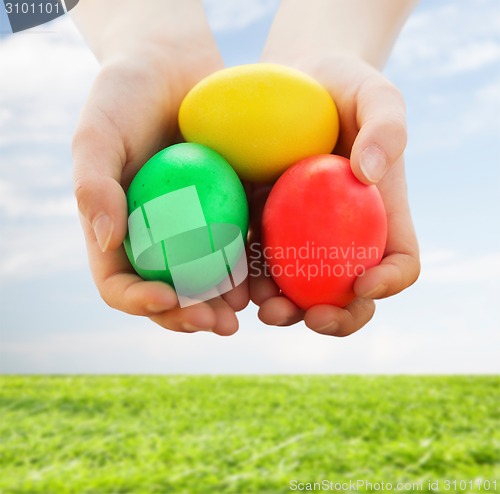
(321, 229)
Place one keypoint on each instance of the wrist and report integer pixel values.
(322, 66)
(117, 29)
(360, 28)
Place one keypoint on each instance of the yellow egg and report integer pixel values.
(262, 118)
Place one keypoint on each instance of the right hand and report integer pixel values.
(130, 115)
(372, 115)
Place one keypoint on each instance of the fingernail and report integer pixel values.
(103, 229)
(378, 291)
(330, 328)
(373, 163)
(192, 329)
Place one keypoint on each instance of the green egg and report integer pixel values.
(188, 219)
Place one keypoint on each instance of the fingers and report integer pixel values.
(213, 316)
(199, 317)
(280, 311)
(226, 322)
(238, 297)
(399, 269)
(127, 292)
(395, 273)
(99, 157)
(103, 207)
(262, 288)
(124, 290)
(335, 321)
(381, 119)
(323, 319)
(400, 266)
(261, 285)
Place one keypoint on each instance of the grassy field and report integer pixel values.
(223, 434)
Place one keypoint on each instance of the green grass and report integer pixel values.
(223, 434)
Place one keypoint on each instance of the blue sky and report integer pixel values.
(446, 63)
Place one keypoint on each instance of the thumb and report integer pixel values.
(381, 140)
(99, 157)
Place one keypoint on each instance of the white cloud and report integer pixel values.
(45, 76)
(16, 203)
(5, 115)
(133, 345)
(447, 39)
(446, 266)
(35, 249)
(480, 115)
(433, 256)
(489, 92)
(466, 111)
(228, 15)
(472, 56)
(447, 62)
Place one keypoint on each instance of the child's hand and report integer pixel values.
(130, 115)
(373, 136)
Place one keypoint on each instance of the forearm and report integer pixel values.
(364, 28)
(117, 27)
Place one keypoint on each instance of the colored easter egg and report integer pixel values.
(322, 228)
(188, 218)
(261, 117)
